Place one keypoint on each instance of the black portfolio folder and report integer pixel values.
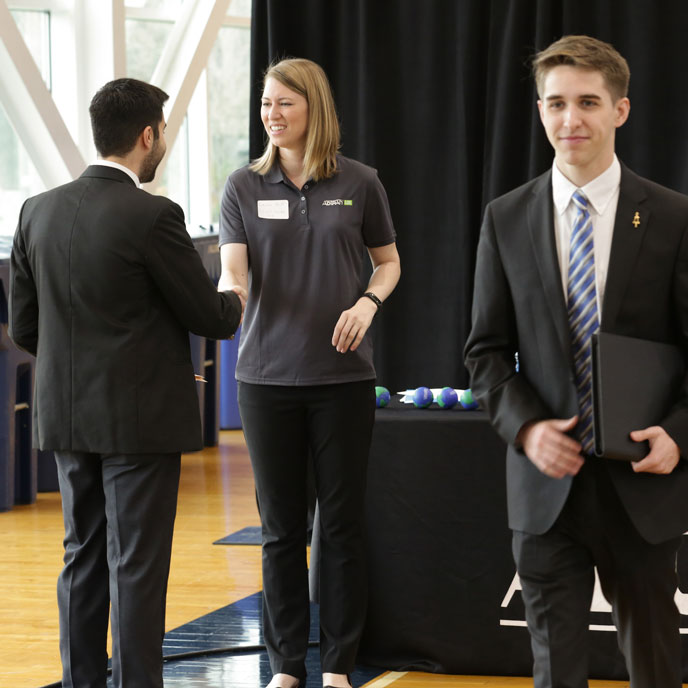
(635, 382)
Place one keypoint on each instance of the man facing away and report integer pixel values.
(588, 245)
(105, 287)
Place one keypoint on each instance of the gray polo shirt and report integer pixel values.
(306, 251)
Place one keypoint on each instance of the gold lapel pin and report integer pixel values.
(636, 219)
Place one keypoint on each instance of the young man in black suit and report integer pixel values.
(588, 245)
(105, 287)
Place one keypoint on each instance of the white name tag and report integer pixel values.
(274, 210)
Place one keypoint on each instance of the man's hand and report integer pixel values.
(664, 452)
(547, 445)
(353, 324)
(241, 293)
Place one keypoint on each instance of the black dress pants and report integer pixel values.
(281, 425)
(119, 513)
(638, 579)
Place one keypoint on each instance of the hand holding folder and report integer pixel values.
(635, 383)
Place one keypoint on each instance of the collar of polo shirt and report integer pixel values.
(275, 174)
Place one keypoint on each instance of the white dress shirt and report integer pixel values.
(117, 166)
(603, 196)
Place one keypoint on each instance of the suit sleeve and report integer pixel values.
(23, 300)
(490, 351)
(676, 422)
(177, 269)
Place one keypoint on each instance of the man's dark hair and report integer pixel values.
(120, 111)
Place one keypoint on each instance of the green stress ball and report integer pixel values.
(467, 400)
(381, 397)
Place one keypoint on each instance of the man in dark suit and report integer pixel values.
(105, 287)
(588, 245)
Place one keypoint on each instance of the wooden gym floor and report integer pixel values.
(216, 499)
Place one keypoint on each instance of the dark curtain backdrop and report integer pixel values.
(437, 95)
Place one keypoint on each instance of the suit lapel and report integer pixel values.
(541, 229)
(626, 242)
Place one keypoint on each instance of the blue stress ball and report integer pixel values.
(447, 398)
(381, 397)
(422, 397)
(467, 400)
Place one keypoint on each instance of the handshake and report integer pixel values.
(241, 292)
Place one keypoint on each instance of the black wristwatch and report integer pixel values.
(374, 299)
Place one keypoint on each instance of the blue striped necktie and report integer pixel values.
(582, 311)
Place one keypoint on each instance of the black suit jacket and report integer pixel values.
(519, 306)
(105, 286)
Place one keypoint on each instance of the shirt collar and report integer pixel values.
(117, 166)
(275, 174)
(599, 191)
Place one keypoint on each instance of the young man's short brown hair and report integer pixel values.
(586, 53)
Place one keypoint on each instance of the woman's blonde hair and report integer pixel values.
(322, 136)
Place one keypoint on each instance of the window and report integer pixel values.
(34, 26)
(147, 32)
(18, 176)
(212, 142)
(145, 42)
(157, 5)
(214, 138)
(228, 108)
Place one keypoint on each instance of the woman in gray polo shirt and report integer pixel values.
(295, 228)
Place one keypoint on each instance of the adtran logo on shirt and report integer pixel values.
(338, 201)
